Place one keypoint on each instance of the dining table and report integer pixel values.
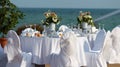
(43, 47)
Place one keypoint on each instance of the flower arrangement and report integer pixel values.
(38, 27)
(51, 17)
(85, 17)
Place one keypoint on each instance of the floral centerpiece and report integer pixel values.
(50, 17)
(85, 17)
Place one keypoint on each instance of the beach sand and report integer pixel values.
(113, 65)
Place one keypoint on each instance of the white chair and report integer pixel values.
(62, 28)
(16, 58)
(100, 58)
(98, 43)
(66, 57)
(115, 53)
(107, 47)
(116, 39)
(3, 58)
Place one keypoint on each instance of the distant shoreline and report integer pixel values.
(64, 8)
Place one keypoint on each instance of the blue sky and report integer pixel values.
(68, 3)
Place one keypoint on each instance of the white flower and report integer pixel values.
(55, 19)
(51, 17)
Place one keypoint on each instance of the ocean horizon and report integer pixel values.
(69, 16)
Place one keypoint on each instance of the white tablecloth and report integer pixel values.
(81, 50)
(41, 48)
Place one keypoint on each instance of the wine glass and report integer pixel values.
(78, 26)
(35, 27)
(99, 26)
(30, 26)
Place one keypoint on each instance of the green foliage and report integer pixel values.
(9, 16)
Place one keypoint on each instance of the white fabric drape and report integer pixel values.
(66, 57)
(13, 55)
(43, 47)
(107, 47)
(116, 39)
(100, 58)
(62, 28)
(98, 43)
(115, 53)
(3, 57)
(12, 34)
(16, 58)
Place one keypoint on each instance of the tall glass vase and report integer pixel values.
(44, 31)
(52, 26)
(84, 26)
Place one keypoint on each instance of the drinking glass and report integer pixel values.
(35, 27)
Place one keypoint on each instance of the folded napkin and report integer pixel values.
(29, 32)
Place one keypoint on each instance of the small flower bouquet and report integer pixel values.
(51, 17)
(85, 17)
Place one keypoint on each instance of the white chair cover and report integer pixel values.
(107, 47)
(98, 44)
(13, 55)
(12, 34)
(3, 58)
(99, 59)
(116, 39)
(1, 50)
(115, 53)
(66, 57)
(104, 54)
(62, 28)
(16, 58)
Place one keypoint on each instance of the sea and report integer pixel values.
(69, 16)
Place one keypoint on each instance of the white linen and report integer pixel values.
(104, 55)
(29, 32)
(43, 47)
(3, 57)
(62, 28)
(27, 43)
(99, 59)
(67, 55)
(115, 53)
(26, 60)
(1, 50)
(98, 44)
(107, 47)
(11, 50)
(82, 47)
(116, 39)
(12, 34)
(14, 54)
